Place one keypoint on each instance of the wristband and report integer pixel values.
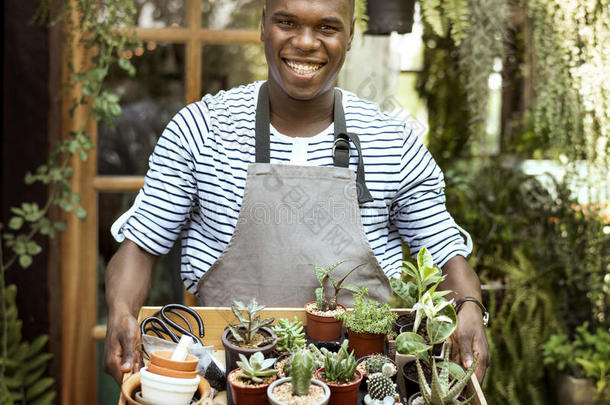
(458, 305)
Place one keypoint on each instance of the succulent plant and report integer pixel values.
(318, 355)
(375, 363)
(329, 304)
(339, 366)
(301, 371)
(381, 388)
(250, 324)
(446, 387)
(256, 368)
(290, 335)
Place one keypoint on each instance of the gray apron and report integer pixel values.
(291, 218)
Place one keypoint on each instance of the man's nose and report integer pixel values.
(306, 40)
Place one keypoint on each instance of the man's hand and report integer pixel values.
(469, 340)
(122, 347)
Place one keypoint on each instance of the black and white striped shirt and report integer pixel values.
(195, 183)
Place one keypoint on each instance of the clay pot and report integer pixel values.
(232, 350)
(162, 358)
(364, 344)
(168, 372)
(341, 394)
(274, 384)
(247, 395)
(132, 386)
(323, 328)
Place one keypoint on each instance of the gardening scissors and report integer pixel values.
(163, 326)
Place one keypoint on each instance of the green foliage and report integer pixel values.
(368, 316)
(318, 355)
(380, 386)
(256, 368)
(290, 335)
(302, 367)
(23, 364)
(451, 16)
(249, 324)
(360, 14)
(323, 275)
(340, 366)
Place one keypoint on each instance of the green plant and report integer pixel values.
(250, 324)
(256, 368)
(301, 371)
(446, 387)
(375, 363)
(318, 355)
(340, 366)
(380, 387)
(290, 335)
(330, 304)
(426, 275)
(368, 316)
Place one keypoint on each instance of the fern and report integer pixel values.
(432, 13)
(23, 364)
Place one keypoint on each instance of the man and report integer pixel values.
(264, 180)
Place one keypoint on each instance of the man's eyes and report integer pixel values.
(285, 23)
(328, 28)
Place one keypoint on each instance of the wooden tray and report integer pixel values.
(216, 319)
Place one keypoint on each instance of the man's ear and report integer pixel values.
(263, 24)
(351, 34)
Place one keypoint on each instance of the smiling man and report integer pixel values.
(265, 180)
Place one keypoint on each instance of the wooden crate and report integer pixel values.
(216, 319)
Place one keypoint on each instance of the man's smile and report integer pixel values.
(302, 68)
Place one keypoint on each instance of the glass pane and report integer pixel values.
(227, 66)
(149, 100)
(160, 13)
(237, 14)
(166, 285)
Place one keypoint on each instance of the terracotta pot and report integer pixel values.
(232, 351)
(346, 394)
(168, 372)
(132, 386)
(248, 395)
(364, 344)
(162, 358)
(322, 384)
(323, 328)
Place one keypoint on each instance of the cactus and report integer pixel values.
(339, 366)
(250, 324)
(444, 389)
(318, 356)
(256, 368)
(290, 335)
(375, 363)
(381, 386)
(301, 371)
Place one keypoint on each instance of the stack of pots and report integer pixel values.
(169, 382)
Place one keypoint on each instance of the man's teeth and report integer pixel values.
(303, 67)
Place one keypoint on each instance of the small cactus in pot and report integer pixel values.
(381, 389)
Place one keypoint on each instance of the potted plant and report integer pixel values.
(381, 388)
(321, 322)
(367, 325)
(447, 381)
(369, 365)
(340, 373)
(583, 363)
(250, 335)
(290, 335)
(283, 363)
(249, 382)
(300, 383)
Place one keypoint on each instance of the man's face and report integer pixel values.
(305, 44)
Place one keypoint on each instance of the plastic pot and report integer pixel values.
(341, 394)
(162, 390)
(232, 350)
(364, 344)
(274, 401)
(323, 328)
(247, 395)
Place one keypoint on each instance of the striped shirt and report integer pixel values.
(195, 183)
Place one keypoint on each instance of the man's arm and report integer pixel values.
(469, 336)
(127, 285)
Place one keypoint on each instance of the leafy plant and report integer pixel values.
(444, 388)
(250, 324)
(322, 301)
(340, 366)
(368, 316)
(290, 335)
(301, 371)
(256, 368)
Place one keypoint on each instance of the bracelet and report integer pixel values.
(458, 304)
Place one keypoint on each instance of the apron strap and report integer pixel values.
(341, 147)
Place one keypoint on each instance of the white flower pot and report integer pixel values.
(162, 390)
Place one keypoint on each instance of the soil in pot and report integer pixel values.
(409, 374)
(403, 321)
(341, 393)
(232, 348)
(281, 393)
(280, 363)
(322, 325)
(365, 375)
(365, 344)
(245, 392)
